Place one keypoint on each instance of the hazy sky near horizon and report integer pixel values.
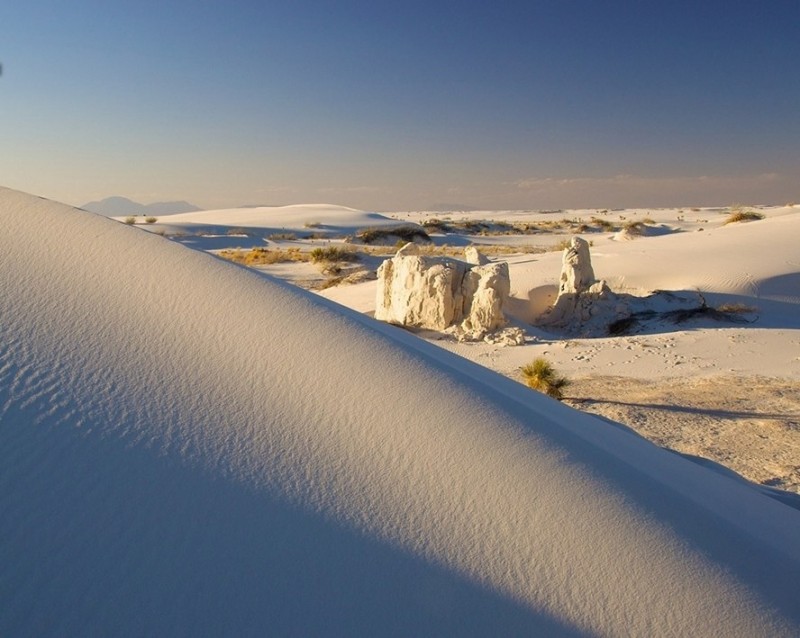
(403, 105)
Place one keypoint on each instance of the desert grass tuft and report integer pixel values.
(743, 216)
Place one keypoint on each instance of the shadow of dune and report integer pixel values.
(685, 516)
(219, 242)
(781, 287)
(98, 534)
(723, 414)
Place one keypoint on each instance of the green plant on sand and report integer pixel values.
(540, 375)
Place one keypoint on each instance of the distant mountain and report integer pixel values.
(118, 206)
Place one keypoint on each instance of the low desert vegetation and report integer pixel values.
(488, 250)
(339, 276)
(407, 233)
(150, 220)
(332, 253)
(282, 237)
(130, 220)
(491, 227)
(604, 225)
(330, 282)
(435, 225)
(634, 227)
(264, 256)
(540, 375)
(326, 255)
(743, 216)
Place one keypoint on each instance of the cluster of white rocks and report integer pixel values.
(466, 298)
(437, 293)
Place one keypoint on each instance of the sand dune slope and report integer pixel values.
(187, 448)
(319, 218)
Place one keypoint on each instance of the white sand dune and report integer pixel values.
(188, 448)
(757, 260)
(318, 218)
(734, 259)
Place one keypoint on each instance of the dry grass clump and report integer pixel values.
(330, 282)
(435, 225)
(407, 233)
(500, 228)
(150, 220)
(263, 256)
(604, 225)
(743, 216)
(736, 309)
(282, 237)
(337, 276)
(634, 227)
(541, 376)
(333, 253)
(485, 249)
(130, 220)
(487, 227)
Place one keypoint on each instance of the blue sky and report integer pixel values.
(402, 105)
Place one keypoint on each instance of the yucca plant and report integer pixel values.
(540, 375)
